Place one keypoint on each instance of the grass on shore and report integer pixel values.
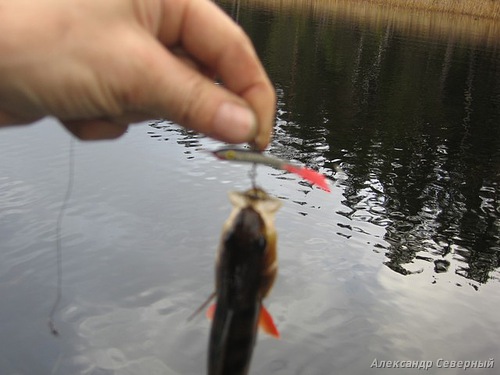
(476, 8)
(479, 9)
(441, 24)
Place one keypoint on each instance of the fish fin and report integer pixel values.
(269, 205)
(211, 311)
(266, 323)
(238, 199)
(203, 305)
(310, 175)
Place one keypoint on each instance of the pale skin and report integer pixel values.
(99, 65)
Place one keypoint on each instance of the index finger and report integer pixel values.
(211, 37)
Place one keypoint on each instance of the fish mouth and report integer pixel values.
(256, 193)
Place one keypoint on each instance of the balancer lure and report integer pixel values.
(249, 156)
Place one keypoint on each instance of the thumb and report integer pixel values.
(188, 97)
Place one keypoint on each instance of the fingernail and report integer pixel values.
(234, 123)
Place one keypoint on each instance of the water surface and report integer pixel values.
(399, 262)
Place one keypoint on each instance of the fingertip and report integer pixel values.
(260, 143)
(262, 98)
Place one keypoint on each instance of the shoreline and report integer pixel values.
(479, 9)
(488, 10)
(374, 13)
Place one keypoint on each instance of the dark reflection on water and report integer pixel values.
(415, 121)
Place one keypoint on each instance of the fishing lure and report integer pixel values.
(250, 156)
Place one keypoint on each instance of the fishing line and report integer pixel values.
(62, 210)
(235, 13)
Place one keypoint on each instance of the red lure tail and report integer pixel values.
(310, 175)
(249, 156)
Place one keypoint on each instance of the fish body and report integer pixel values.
(245, 272)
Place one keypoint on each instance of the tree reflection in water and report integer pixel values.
(412, 113)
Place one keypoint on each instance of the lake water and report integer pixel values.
(399, 263)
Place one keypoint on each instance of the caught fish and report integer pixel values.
(242, 155)
(245, 272)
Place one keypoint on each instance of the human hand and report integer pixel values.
(99, 65)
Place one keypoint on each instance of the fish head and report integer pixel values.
(257, 206)
(247, 233)
(225, 154)
(258, 199)
(249, 237)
